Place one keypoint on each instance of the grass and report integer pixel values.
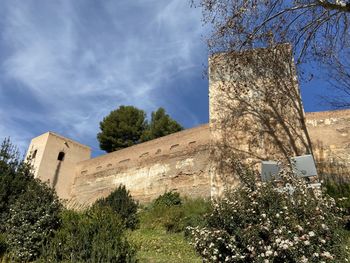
(157, 246)
(161, 238)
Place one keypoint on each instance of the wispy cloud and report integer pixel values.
(71, 62)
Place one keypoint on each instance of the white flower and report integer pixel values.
(327, 255)
(285, 246)
(299, 228)
(304, 259)
(311, 233)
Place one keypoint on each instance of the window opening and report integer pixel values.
(34, 154)
(60, 156)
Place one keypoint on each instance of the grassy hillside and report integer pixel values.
(161, 236)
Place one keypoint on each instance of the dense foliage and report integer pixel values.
(121, 202)
(33, 218)
(127, 126)
(168, 199)
(28, 208)
(338, 187)
(96, 235)
(161, 125)
(260, 222)
(14, 178)
(122, 128)
(174, 213)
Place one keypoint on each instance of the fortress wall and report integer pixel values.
(175, 162)
(330, 135)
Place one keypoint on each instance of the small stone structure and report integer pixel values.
(255, 114)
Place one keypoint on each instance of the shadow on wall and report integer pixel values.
(255, 110)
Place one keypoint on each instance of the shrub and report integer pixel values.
(15, 175)
(338, 188)
(258, 222)
(96, 235)
(168, 199)
(33, 218)
(3, 245)
(176, 218)
(123, 204)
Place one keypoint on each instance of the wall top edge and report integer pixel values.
(248, 52)
(63, 138)
(328, 114)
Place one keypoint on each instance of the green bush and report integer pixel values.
(176, 218)
(123, 204)
(339, 189)
(32, 221)
(28, 208)
(15, 175)
(96, 235)
(3, 245)
(168, 199)
(260, 222)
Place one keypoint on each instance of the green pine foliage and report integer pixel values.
(122, 128)
(161, 125)
(96, 235)
(127, 126)
(122, 203)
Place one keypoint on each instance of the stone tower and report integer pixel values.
(255, 111)
(54, 158)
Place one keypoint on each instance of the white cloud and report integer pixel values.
(82, 59)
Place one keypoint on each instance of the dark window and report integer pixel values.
(60, 156)
(34, 154)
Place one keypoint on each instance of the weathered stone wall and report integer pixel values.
(255, 111)
(330, 135)
(175, 162)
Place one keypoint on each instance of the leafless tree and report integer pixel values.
(317, 29)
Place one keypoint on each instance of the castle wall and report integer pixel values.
(330, 135)
(255, 114)
(176, 162)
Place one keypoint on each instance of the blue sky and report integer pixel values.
(64, 65)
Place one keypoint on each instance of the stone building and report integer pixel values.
(255, 114)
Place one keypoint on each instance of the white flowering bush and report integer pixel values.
(269, 222)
